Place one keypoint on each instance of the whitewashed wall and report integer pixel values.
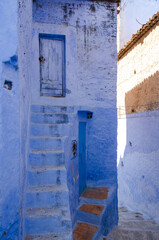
(90, 50)
(138, 133)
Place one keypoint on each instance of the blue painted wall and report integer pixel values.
(102, 147)
(138, 167)
(24, 56)
(91, 71)
(85, 74)
(91, 74)
(9, 123)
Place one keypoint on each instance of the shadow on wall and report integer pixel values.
(144, 97)
(10, 188)
(138, 169)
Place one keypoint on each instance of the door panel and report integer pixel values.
(52, 66)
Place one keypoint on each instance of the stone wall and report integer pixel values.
(138, 85)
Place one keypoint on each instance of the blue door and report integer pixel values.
(82, 156)
(52, 65)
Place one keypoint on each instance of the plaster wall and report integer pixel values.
(9, 123)
(138, 102)
(90, 30)
(133, 14)
(91, 56)
(137, 67)
(138, 180)
(24, 54)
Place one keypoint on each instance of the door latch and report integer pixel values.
(41, 59)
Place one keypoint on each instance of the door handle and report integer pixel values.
(41, 59)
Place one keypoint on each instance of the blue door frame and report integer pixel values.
(82, 156)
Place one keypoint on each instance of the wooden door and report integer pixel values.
(52, 65)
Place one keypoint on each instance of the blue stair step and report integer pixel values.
(47, 143)
(39, 176)
(61, 236)
(54, 130)
(48, 220)
(45, 225)
(47, 214)
(107, 217)
(51, 109)
(48, 118)
(47, 196)
(88, 218)
(52, 158)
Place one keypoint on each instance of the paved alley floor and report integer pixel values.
(134, 226)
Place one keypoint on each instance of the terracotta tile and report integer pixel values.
(95, 192)
(95, 209)
(84, 231)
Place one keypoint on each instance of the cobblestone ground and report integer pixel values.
(134, 226)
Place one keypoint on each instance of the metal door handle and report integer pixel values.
(41, 59)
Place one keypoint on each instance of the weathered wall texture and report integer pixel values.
(90, 29)
(138, 75)
(9, 123)
(138, 131)
(24, 54)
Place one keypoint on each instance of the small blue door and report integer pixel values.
(82, 156)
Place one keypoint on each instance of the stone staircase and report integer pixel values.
(95, 213)
(47, 211)
(134, 226)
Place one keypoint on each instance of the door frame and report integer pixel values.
(82, 136)
(63, 39)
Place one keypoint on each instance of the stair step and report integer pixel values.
(98, 207)
(62, 211)
(53, 188)
(47, 196)
(47, 168)
(47, 143)
(53, 158)
(95, 192)
(120, 234)
(47, 213)
(51, 109)
(90, 208)
(40, 176)
(144, 225)
(84, 231)
(54, 130)
(49, 118)
(48, 220)
(65, 236)
(134, 225)
(91, 214)
(45, 225)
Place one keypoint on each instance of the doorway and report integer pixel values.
(82, 157)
